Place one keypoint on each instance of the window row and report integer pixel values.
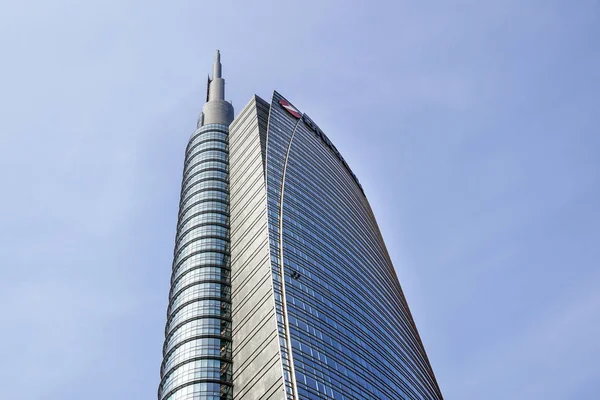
(208, 259)
(198, 182)
(207, 131)
(203, 212)
(220, 160)
(200, 274)
(214, 308)
(203, 347)
(200, 206)
(206, 137)
(201, 169)
(199, 291)
(199, 369)
(195, 196)
(208, 244)
(196, 230)
(203, 391)
(199, 232)
(206, 144)
(207, 194)
(197, 327)
(214, 164)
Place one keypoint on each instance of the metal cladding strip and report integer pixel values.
(288, 337)
(285, 316)
(266, 163)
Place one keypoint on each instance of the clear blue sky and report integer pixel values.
(472, 125)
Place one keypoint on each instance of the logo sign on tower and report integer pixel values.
(290, 108)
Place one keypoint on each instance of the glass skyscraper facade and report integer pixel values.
(197, 360)
(282, 286)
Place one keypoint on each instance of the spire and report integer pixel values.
(216, 110)
(216, 87)
(217, 66)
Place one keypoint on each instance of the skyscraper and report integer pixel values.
(282, 287)
(197, 349)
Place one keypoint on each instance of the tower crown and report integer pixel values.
(216, 110)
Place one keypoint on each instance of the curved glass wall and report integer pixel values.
(345, 327)
(197, 349)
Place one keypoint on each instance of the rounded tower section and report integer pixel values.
(197, 358)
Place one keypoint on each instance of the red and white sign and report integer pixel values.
(290, 108)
